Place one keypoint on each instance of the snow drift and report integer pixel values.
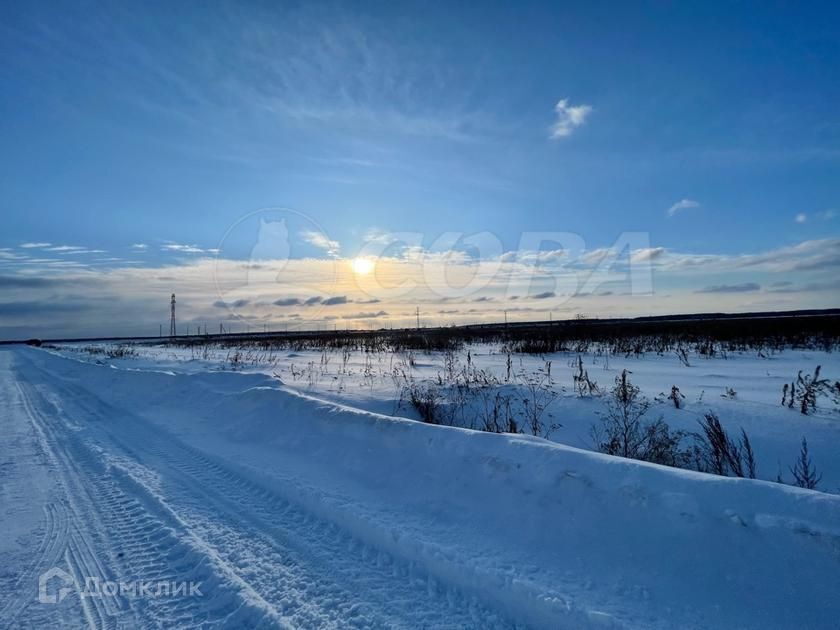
(548, 535)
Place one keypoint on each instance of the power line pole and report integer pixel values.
(418, 318)
(172, 331)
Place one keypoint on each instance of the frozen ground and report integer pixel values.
(299, 501)
(367, 381)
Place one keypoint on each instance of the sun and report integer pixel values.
(363, 266)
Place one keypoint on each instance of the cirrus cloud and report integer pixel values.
(682, 204)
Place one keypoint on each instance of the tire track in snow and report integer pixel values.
(132, 543)
(49, 553)
(312, 570)
(22, 608)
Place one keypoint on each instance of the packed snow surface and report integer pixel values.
(311, 504)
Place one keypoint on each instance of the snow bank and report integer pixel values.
(550, 535)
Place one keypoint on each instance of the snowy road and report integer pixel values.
(149, 498)
(124, 502)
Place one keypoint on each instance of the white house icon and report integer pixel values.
(67, 584)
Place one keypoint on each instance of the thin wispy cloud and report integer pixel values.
(187, 249)
(746, 287)
(320, 240)
(8, 255)
(35, 245)
(569, 118)
(27, 282)
(682, 204)
(139, 246)
(71, 252)
(65, 248)
(646, 254)
(366, 315)
(823, 285)
(233, 304)
(825, 215)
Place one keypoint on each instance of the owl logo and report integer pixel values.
(272, 242)
(270, 253)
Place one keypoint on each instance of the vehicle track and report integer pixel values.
(302, 569)
(111, 535)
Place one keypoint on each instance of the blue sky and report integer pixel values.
(711, 127)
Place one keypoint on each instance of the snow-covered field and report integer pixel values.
(297, 489)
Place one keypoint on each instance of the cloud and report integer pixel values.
(801, 217)
(7, 255)
(813, 255)
(319, 240)
(25, 282)
(553, 256)
(789, 287)
(235, 304)
(595, 256)
(746, 287)
(827, 215)
(138, 297)
(64, 248)
(682, 204)
(72, 249)
(139, 246)
(334, 301)
(370, 315)
(648, 253)
(287, 302)
(185, 249)
(38, 308)
(806, 256)
(35, 245)
(569, 117)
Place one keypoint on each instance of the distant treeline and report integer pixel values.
(706, 334)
